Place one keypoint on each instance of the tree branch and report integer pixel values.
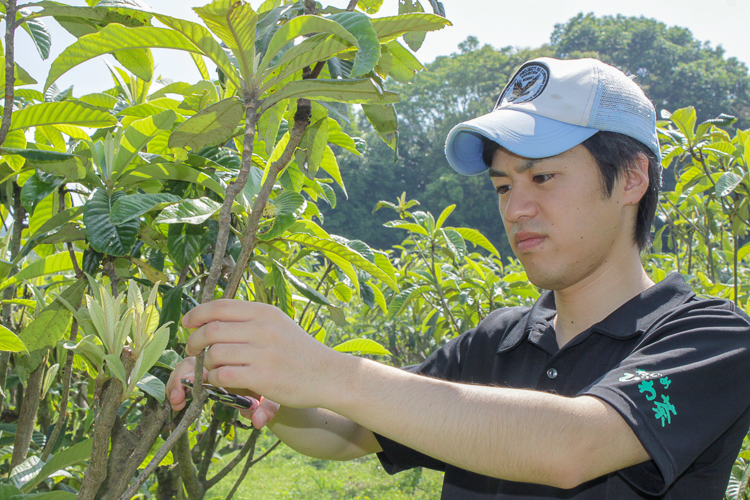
(193, 485)
(301, 121)
(248, 447)
(233, 189)
(10, 66)
(27, 415)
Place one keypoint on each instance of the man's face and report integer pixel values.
(559, 222)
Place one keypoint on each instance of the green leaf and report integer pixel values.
(477, 238)
(337, 316)
(727, 184)
(117, 368)
(402, 299)
(38, 32)
(234, 23)
(9, 342)
(104, 236)
(55, 263)
(413, 39)
(25, 471)
(61, 460)
(151, 354)
(685, 119)
(184, 243)
(362, 346)
(390, 28)
(190, 211)
(289, 207)
(370, 6)
(22, 77)
(331, 167)
(306, 290)
(409, 226)
(316, 48)
(137, 135)
(68, 112)
(444, 215)
(277, 280)
(37, 154)
(132, 206)
(140, 62)
(330, 247)
(171, 171)
(113, 38)
(212, 126)
(359, 25)
(37, 188)
(153, 387)
(358, 91)
(455, 243)
(301, 26)
(51, 324)
(404, 65)
(383, 118)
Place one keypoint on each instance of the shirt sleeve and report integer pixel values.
(444, 364)
(682, 388)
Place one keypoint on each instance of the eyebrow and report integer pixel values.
(526, 165)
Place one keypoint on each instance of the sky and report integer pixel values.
(500, 23)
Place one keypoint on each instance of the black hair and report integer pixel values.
(614, 154)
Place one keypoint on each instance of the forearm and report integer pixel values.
(322, 434)
(513, 434)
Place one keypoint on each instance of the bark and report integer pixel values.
(10, 66)
(124, 459)
(169, 483)
(208, 451)
(27, 416)
(193, 486)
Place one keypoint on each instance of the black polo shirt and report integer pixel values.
(675, 366)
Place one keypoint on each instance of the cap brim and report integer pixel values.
(525, 134)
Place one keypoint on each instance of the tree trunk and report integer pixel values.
(27, 416)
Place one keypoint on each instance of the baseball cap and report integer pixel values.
(552, 105)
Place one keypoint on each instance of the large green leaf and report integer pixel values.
(189, 211)
(403, 64)
(727, 183)
(22, 77)
(132, 206)
(211, 126)
(55, 263)
(171, 171)
(301, 26)
(52, 322)
(113, 38)
(103, 236)
(68, 112)
(234, 23)
(65, 458)
(359, 25)
(140, 62)
(390, 28)
(358, 91)
(10, 342)
(332, 247)
(36, 188)
(137, 135)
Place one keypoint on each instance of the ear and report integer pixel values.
(636, 182)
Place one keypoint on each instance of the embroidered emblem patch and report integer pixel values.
(527, 84)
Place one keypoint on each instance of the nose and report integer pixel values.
(517, 204)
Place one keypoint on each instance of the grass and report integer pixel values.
(286, 474)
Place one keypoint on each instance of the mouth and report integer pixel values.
(526, 241)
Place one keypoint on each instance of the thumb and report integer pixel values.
(260, 417)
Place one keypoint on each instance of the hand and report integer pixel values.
(258, 347)
(185, 369)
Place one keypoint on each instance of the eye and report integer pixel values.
(542, 178)
(501, 190)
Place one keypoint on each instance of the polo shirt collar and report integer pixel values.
(630, 319)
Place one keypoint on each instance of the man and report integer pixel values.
(609, 387)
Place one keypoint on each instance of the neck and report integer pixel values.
(598, 295)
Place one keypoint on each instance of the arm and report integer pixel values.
(322, 434)
(511, 434)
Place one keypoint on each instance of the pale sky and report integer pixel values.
(528, 23)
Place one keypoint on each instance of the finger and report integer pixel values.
(260, 417)
(225, 354)
(212, 333)
(228, 376)
(174, 387)
(224, 310)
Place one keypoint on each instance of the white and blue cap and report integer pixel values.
(551, 106)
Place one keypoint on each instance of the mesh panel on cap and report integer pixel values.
(620, 106)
